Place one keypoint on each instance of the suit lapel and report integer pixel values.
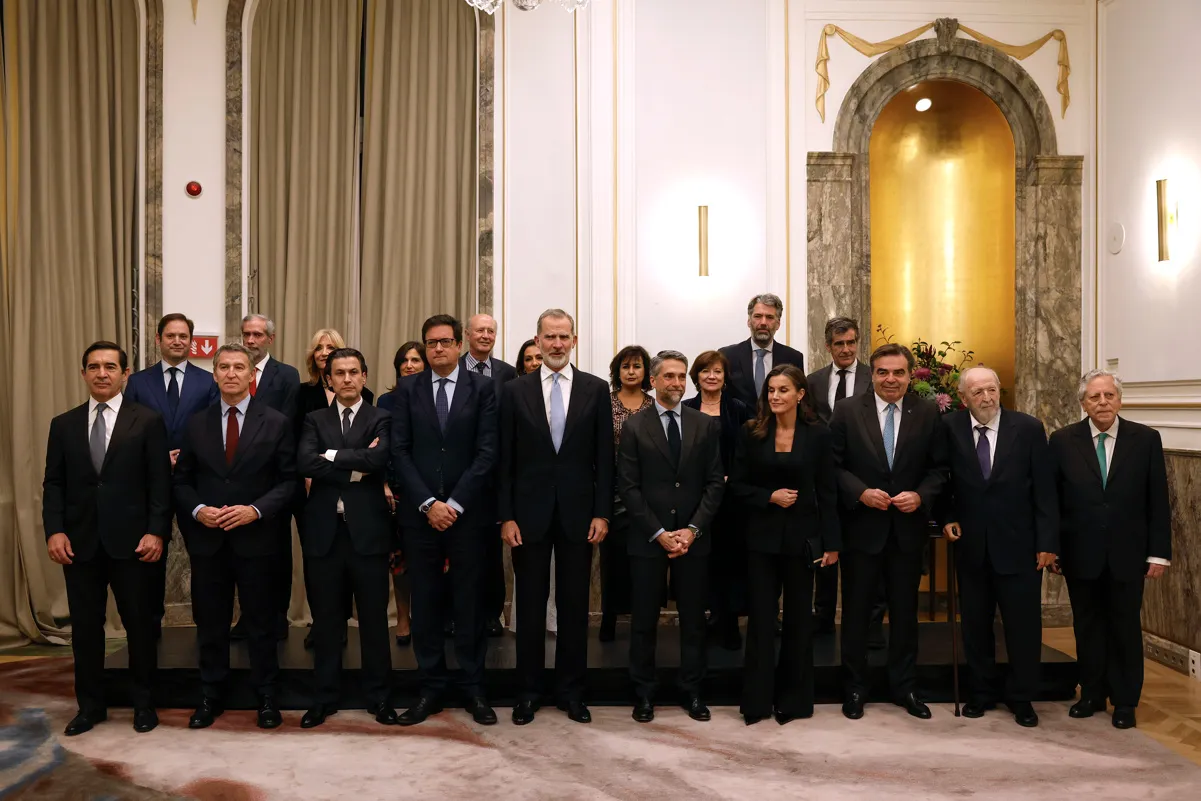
(120, 432)
(691, 433)
(537, 404)
(1121, 452)
(657, 435)
(82, 438)
(863, 379)
(212, 434)
(462, 397)
(575, 408)
(963, 435)
(1006, 433)
(907, 420)
(425, 399)
(871, 423)
(269, 371)
(1084, 441)
(250, 429)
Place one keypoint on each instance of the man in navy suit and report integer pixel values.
(273, 384)
(752, 359)
(176, 390)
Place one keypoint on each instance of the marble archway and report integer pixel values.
(1048, 215)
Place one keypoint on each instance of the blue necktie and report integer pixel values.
(442, 404)
(558, 417)
(982, 452)
(173, 390)
(760, 373)
(890, 433)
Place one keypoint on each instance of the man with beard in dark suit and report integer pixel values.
(752, 359)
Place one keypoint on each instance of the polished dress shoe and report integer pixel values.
(976, 709)
(914, 707)
(577, 711)
(696, 709)
(852, 707)
(404, 640)
(493, 628)
(83, 722)
(419, 711)
(209, 710)
(788, 717)
(644, 711)
(1024, 714)
(480, 711)
(751, 720)
(523, 713)
(269, 717)
(1086, 707)
(316, 716)
(384, 714)
(1123, 717)
(144, 719)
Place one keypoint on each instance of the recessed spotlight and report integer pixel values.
(923, 104)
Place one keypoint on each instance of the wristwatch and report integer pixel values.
(425, 507)
(696, 532)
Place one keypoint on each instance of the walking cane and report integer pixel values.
(953, 620)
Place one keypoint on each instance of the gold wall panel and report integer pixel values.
(942, 222)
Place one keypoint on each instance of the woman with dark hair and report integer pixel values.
(529, 357)
(409, 360)
(629, 380)
(783, 474)
(727, 563)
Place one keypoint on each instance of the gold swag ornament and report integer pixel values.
(946, 32)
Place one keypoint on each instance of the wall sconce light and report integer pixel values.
(1166, 214)
(703, 227)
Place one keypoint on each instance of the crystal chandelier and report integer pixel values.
(490, 6)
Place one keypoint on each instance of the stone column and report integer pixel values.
(839, 279)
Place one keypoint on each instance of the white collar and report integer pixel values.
(181, 366)
(452, 378)
(354, 410)
(882, 404)
(995, 425)
(755, 345)
(662, 410)
(546, 373)
(241, 406)
(261, 364)
(1112, 432)
(113, 403)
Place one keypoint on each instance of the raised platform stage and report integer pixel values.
(608, 679)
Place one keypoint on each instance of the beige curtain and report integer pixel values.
(304, 95)
(419, 171)
(70, 138)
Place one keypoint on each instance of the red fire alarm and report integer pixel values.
(193, 189)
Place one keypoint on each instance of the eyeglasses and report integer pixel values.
(430, 344)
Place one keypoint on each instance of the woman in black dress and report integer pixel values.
(783, 474)
(409, 360)
(727, 563)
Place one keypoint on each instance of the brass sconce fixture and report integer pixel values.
(1166, 214)
(702, 213)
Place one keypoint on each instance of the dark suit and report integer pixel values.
(197, 391)
(553, 497)
(1006, 521)
(494, 562)
(741, 380)
(888, 542)
(346, 554)
(279, 389)
(659, 494)
(263, 475)
(1106, 534)
(780, 560)
(825, 594)
(454, 463)
(104, 517)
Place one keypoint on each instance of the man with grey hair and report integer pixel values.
(1116, 526)
(1000, 507)
(671, 480)
(752, 359)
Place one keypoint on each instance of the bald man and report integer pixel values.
(480, 334)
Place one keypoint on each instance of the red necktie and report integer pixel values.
(231, 435)
(254, 384)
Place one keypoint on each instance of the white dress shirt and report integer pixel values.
(242, 406)
(182, 367)
(834, 382)
(258, 371)
(881, 415)
(1111, 442)
(566, 377)
(993, 428)
(110, 417)
(332, 453)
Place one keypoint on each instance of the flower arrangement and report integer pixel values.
(936, 374)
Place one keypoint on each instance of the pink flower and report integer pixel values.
(922, 373)
(943, 400)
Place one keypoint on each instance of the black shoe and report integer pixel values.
(209, 710)
(480, 711)
(782, 717)
(915, 707)
(1086, 707)
(852, 707)
(1024, 714)
(144, 720)
(644, 711)
(238, 631)
(404, 640)
(696, 709)
(577, 711)
(83, 722)
(608, 628)
(1123, 717)
(316, 716)
(751, 720)
(493, 628)
(976, 709)
(823, 624)
(523, 713)
(419, 711)
(384, 714)
(269, 717)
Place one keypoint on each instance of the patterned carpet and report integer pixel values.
(886, 755)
